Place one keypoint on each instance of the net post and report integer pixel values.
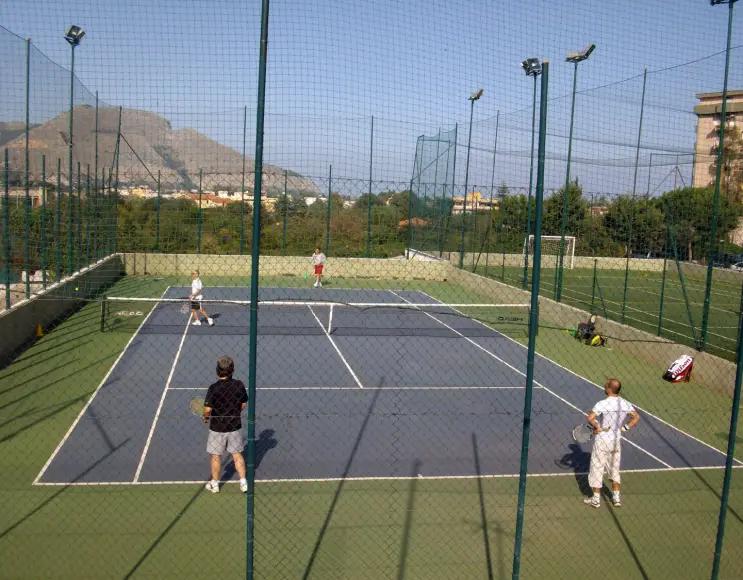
(533, 325)
(103, 314)
(43, 222)
(255, 256)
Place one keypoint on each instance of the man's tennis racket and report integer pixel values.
(197, 406)
(185, 308)
(583, 433)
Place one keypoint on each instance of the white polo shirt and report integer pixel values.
(612, 414)
(196, 287)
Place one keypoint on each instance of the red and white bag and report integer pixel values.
(680, 370)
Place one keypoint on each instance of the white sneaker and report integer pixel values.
(319, 284)
(212, 486)
(244, 485)
(616, 501)
(196, 323)
(315, 285)
(591, 502)
(210, 321)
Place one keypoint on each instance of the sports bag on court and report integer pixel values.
(680, 370)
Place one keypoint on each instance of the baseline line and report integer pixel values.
(565, 473)
(549, 360)
(338, 350)
(90, 401)
(162, 402)
(535, 381)
(402, 388)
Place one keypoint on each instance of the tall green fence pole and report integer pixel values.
(531, 176)
(730, 457)
(242, 186)
(70, 207)
(632, 202)
(116, 187)
(590, 225)
(466, 180)
(79, 219)
(330, 195)
(27, 212)
(105, 211)
(663, 277)
(58, 221)
(157, 213)
(88, 260)
(200, 214)
(96, 250)
(533, 324)
(255, 255)
(369, 205)
(410, 219)
(718, 179)
(593, 286)
(44, 190)
(286, 211)
(6, 228)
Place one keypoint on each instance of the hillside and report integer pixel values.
(149, 145)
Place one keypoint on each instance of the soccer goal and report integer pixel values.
(551, 247)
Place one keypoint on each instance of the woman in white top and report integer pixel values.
(195, 298)
(318, 261)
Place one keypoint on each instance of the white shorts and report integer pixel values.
(605, 458)
(217, 443)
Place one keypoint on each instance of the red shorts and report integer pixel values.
(318, 269)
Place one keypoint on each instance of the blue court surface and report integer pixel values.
(384, 389)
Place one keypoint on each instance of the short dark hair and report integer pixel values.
(225, 366)
(614, 385)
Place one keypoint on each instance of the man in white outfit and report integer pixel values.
(195, 298)
(608, 421)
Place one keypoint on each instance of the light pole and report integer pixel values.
(532, 67)
(73, 37)
(473, 97)
(705, 315)
(575, 58)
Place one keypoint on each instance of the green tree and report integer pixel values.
(576, 212)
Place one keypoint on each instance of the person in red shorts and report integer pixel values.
(318, 261)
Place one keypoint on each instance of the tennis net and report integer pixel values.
(287, 317)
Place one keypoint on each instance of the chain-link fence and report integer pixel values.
(471, 333)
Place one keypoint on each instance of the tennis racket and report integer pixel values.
(197, 406)
(583, 433)
(185, 309)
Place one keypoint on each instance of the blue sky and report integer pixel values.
(333, 64)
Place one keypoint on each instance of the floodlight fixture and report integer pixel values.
(74, 35)
(532, 66)
(582, 55)
(476, 95)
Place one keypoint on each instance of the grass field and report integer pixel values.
(642, 308)
(406, 528)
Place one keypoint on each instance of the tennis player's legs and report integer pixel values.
(219, 443)
(606, 457)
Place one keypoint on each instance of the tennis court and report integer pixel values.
(351, 384)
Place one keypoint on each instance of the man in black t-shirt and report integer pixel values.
(223, 404)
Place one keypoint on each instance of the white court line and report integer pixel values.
(565, 473)
(482, 348)
(402, 388)
(338, 350)
(162, 402)
(549, 360)
(90, 401)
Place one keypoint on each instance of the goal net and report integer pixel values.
(551, 247)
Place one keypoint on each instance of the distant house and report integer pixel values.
(417, 223)
(474, 202)
(597, 210)
(310, 200)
